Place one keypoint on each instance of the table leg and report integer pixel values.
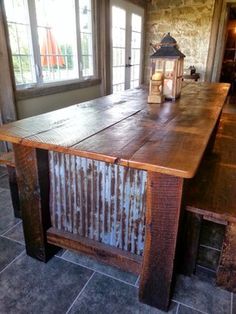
(211, 143)
(164, 194)
(33, 184)
(14, 191)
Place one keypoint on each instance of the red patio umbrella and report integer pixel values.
(50, 52)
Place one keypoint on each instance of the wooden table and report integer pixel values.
(106, 177)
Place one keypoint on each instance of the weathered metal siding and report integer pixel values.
(101, 201)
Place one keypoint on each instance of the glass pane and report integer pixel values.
(20, 41)
(86, 44)
(118, 37)
(118, 17)
(136, 40)
(136, 23)
(23, 69)
(57, 39)
(135, 56)
(85, 5)
(118, 56)
(118, 75)
(17, 11)
(118, 43)
(170, 66)
(85, 17)
(87, 65)
(85, 20)
(135, 72)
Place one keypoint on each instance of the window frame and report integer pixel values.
(40, 88)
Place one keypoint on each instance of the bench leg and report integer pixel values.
(14, 191)
(33, 184)
(191, 243)
(164, 195)
(226, 273)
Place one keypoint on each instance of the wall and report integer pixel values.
(188, 21)
(38, 105)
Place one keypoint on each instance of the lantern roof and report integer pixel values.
(168, 49)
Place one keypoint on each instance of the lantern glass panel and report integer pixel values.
(160, 64)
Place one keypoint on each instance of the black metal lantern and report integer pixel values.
(170, 61)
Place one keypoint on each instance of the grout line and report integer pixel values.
(64, 253)
(15, 259)
(137, 281)
(79, 294)
(177, 310)
(231, 303)
(190, 307)
(12, 227)
(210, 247)
(98, 271)
(206, 268)
(5, 237)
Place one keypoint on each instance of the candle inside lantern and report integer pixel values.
(157, 76)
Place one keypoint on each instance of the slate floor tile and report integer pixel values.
(30, 286)
(3, 171)
(202, 295)
(7, 219)
(109, 296)
(100, 267)
(205, 274)
(187, 310)
(4, 182)
(16, 233)
(9, 250)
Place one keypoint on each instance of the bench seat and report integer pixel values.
(211, 195)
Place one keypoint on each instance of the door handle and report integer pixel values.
(128, 65)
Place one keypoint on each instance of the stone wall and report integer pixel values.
(188, 21)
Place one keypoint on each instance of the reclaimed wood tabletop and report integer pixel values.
(168, 138)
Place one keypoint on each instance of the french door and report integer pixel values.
(127, 42)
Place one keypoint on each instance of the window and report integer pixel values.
(51, 40)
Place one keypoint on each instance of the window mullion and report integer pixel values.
(78, 37)
(35, 42)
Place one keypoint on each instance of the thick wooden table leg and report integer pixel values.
(192, 228)
(33, 185)
(14, 191)
(164, 194)
(226, 273)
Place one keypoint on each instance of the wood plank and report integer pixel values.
(81, 128)
(226, 273)
(33, 185)
(170, 152)
(164, 195)
(105, 253)
(157, 146)
(72, 115)
(139, 127)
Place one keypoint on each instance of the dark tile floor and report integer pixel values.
(74, 283)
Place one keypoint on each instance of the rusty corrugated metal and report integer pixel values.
(101, 201)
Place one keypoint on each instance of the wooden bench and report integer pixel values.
(9, 161)
(211, 195)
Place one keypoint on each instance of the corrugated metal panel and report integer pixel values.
(101, 201)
